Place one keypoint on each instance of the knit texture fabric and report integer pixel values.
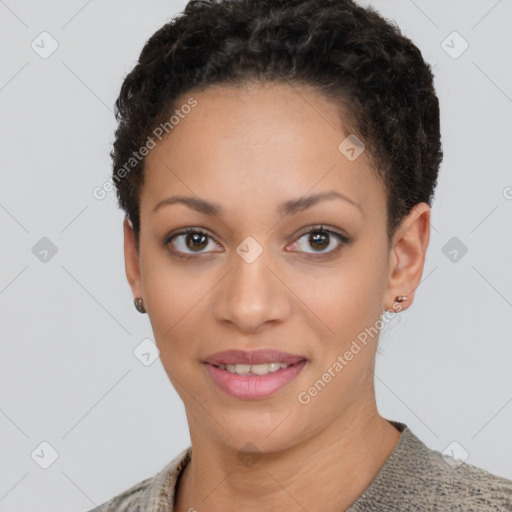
(413, 478)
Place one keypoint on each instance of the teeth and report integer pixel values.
(255, 369)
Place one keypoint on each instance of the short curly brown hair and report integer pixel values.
(376, 77)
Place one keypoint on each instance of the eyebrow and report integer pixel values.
(287, 208)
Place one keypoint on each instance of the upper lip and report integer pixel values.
(254, 357)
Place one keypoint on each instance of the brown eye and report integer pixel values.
(196, 241)
(191, 241)
(321, 240)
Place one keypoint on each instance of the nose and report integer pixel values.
(252, 296)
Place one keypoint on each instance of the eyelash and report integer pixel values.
(312, 229)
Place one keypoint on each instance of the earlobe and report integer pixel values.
(131, 258)
(408, 255)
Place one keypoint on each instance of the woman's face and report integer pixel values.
(262, 277)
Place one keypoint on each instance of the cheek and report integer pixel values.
(178, 328)
(175, 299)
(344, 299)
(348, 303)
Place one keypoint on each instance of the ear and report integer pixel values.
(407, 257)
(131, 259)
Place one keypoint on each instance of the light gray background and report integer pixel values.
(68, 329)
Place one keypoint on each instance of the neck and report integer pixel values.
(326, 472)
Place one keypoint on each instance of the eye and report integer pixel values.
(321, 239)
(190, 241)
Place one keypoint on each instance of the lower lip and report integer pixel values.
(251, 387)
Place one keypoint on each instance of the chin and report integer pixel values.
(269, 434)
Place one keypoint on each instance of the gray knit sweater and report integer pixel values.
(413, 478)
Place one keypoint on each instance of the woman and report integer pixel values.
(277, 161)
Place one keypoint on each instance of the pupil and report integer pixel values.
(196, 237)
(316, 239)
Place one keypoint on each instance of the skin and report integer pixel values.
(249, 149)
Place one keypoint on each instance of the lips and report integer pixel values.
(263, 356)
(253, 387)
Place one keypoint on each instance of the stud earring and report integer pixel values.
(139, 305)
(398, 298)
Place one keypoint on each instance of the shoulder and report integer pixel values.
(416, 477)
(153, 494)
(460, 486)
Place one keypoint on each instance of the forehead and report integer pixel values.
(256, 142)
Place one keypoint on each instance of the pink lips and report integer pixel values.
(251, 387)
(255, 357)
